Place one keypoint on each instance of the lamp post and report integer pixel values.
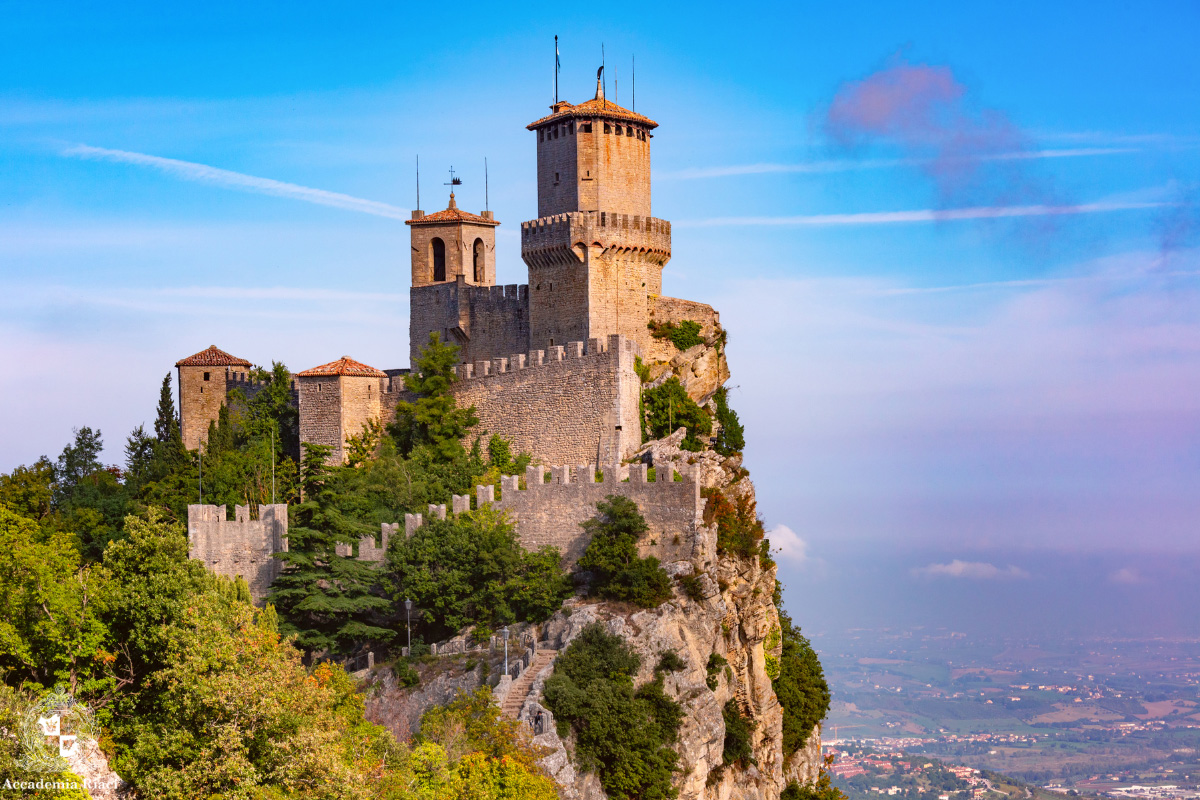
(505, 632)
(408, 611)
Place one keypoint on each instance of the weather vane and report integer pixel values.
(453, 180)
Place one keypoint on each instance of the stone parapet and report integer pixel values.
(242, 546)
(545, 240)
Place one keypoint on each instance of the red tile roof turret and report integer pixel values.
(344, 366)
(452, 213)
(213, 357)
(592, 109)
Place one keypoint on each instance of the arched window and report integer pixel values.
(439, 259)
(479, 261)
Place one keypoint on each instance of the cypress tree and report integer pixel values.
(166, 424)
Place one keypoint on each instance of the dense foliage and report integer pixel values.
(823, 789)
(668, 407)
(618, 572)
(329, 602)
(621, 733)
(471, 570)
(801, 687)
(738, 749)
(739, 530)
(684, 334)
(731, 435)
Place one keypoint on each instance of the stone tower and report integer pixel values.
(595, 253)
(204, 379)
(336, 400)
(454, 292)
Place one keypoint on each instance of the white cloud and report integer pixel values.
(974, 570)
(922, 215)
(1126, 576)
(787, 544)
(825, 166)
(202, 173)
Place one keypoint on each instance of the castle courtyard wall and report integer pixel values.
(242, 546)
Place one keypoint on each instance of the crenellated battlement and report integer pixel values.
(241, 546)
(572, 351)
(544, 241)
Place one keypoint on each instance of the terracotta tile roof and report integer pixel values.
(451, 214)
(598, 107)
(344, 366)
(213, 357)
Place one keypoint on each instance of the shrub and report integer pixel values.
(618, 573)
(739, 530)
(716, 662)
(684, 334)
(823, 789)
(668, 407)
(731, 435)
(738, 749)
(801, 687)
(622, 735)
(642, 369)
(670, 661)
(692, 587)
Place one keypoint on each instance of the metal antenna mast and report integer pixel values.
(486, 205)
(604, 71)
(634, 83)
(556, 66)
(418, 183)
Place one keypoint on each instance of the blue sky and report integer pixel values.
(942, 377)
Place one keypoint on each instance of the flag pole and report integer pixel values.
(556, 69)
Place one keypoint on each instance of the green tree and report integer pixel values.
(668, 407)
(621, 734)
(166, 422)
(471, 569)
(738, 748)
(618, 572)
(51, 610)
(801, 688)
(731, 435)
(78, 460)
(328, 601)
(434, 420)
(29, 491)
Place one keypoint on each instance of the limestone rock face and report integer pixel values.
(88, 762)
(701, 369)
(399, 709)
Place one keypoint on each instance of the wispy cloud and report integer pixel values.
(1126, 576)
(972, 570)
(825, 166)
(923, 215)
(203, 173)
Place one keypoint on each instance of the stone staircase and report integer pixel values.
(520, 688)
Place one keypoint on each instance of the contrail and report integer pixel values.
(923, 215)
(848, 165)
(202, 173)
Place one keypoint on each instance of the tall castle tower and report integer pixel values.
(595, 253)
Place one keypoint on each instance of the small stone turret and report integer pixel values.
(204, 379)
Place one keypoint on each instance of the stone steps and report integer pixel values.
(520, 688)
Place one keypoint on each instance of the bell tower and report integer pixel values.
(595, 253)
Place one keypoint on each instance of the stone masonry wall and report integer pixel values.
(242, 546)
(563, 405)
(484, 321)
(200, 401)
(321, 413)
(459, 239)
(360, 404)
(549, 514)
(558, 176)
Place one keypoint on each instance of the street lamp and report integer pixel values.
(408, 611)
(505, 632)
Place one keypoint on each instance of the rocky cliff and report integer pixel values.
(729, 611)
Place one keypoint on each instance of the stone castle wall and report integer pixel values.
(563, 405)
(321, 413)
(201, 395)
(242, 546)
(605, 167)
(484, 321)
(459, 239)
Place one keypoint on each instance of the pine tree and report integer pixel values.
(327, 601)
(434, 420)
(166, 424)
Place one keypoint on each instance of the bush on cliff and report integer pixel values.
(470, 569)
(684, 334)
(618, 572)
(731, 435)
(621, 734)
(801, 687)
(739, 530)
(668, 407)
